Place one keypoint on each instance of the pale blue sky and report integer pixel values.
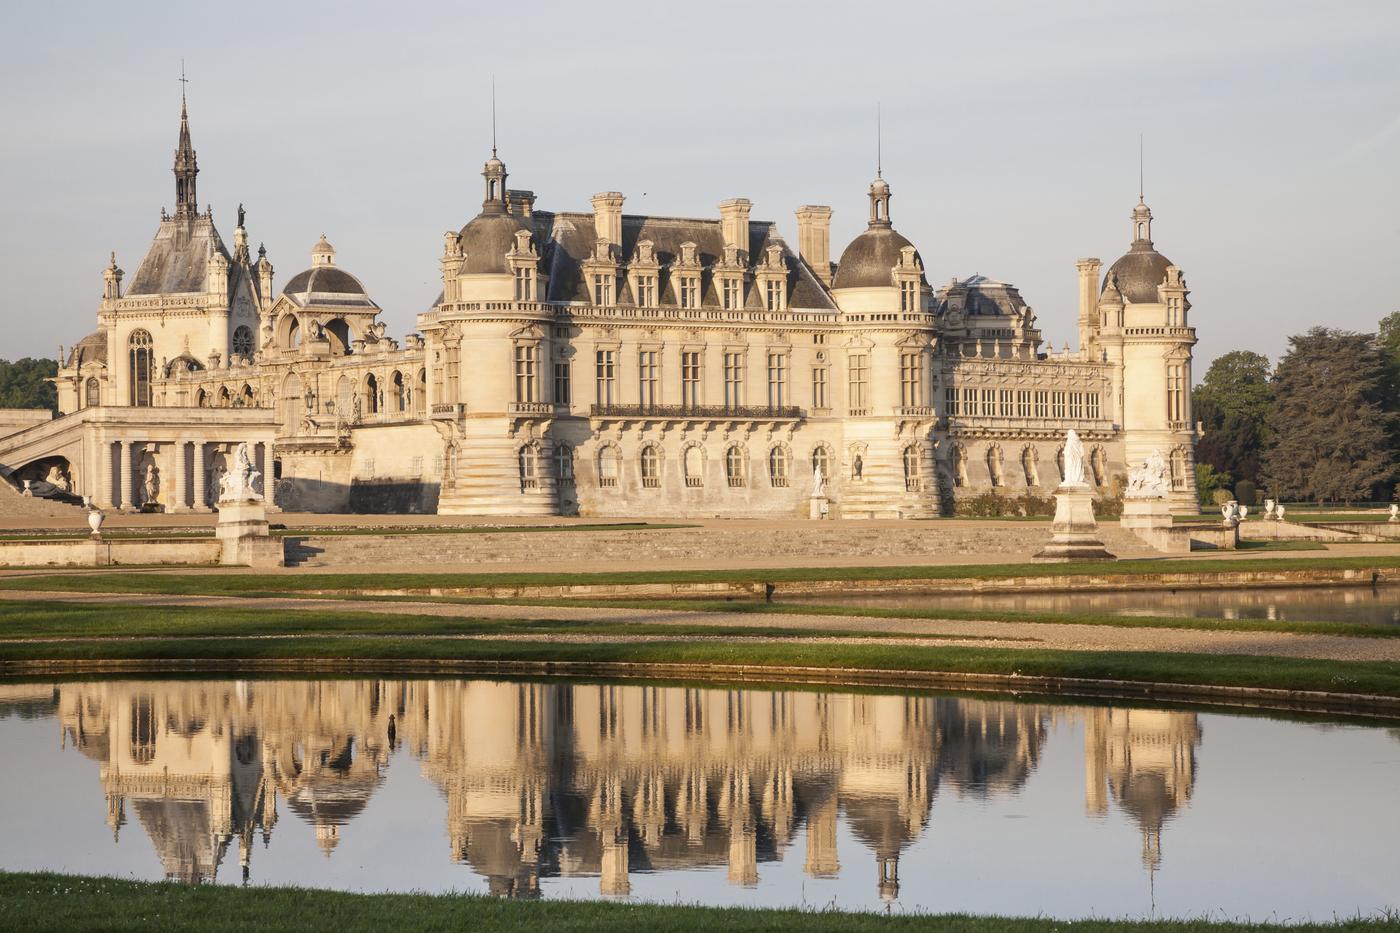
(1011, 133)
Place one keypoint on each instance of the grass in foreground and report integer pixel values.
(34, 901)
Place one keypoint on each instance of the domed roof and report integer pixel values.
(486, 239)
(326, 280)
(91, 349)
(1138, 273)
(869, 258)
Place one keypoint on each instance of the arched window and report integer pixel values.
(1098, 463)
(609, 466)
(694, 464)
(338, 334)
(959, 465)
(93, 394)
(372, 395)
(1031, 465)
(202, 399)
(140, 353)
(246, 398)
(345, 398)
(529, 467)
(1178, 468)
(243, 340)
(651, 467)
(913, 482)
(994, 465)
(734, 466)
(821, 461)
(400, 392)
(564, 464)
(778, 467)
(420, 397)
(223, 397)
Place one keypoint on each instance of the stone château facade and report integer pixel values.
(613, 364)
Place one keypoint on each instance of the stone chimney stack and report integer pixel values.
(1088, 299)
(607, 218)
(521, 203)
(814, 238)
(734, 222)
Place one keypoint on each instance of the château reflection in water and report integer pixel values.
(597, 780)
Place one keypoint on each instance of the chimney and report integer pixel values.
(1088, 297)
(814, 238)
(734, 222)
(607, 218)
(520, 203)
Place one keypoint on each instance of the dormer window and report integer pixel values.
(602, 289)
(524, 284)
(732, 294)
(690, 291)
(908, 296)
(775, 295)
(646, 291)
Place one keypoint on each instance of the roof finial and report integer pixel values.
(183, 81)
(493, 116)
(879, 144)
(1140, 185)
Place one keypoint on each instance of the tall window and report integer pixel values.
(609, 466)
(1094, 410)
(646, 291)
(607, 376)
(602, 288)
(777, 380)
(646, 366)
(529, 467)
(969, 402)
(1042, 404)
(693, 464)
(1178, 468)
(778, 467)
(690, 291)
(651, 467)
(524, 284)
(821, 460)
(733, 380)
(563, 390)
(1057, 404)
(1176, 393)
(913, 482)
(243, 340)
(908, 296)
(690, 378)
(1076, 404)
(527, 372)
(911, 393)
(734, 466)
(93, 394)
(821, 391)
(859, 373)
(775, 294)
(732, 296)
(1023, 403)
(139, 351)
(950, 401)
(564, 464)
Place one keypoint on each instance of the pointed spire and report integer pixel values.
(186, 166)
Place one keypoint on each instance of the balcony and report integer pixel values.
(532, 408)
(448, 411)
(699, 412)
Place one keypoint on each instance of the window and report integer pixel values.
(143, 730)
(821, 461)
(1176, 392)
(690, 291)
(913, 482)
(819, 340)
(1076, 404)
(693, 463)
(1057, 404)
(1094, 411)
(602, 288)
(734, 466)
(562, 389)
(778, 467)
(1042, 404)
(908, 296)
(646, 291)
(564, 464)
(529, 458)
(524, 284)
(775, 293)
(733, 380)
(911, 393)
(527, 379)
(139, 352)
(690, 378)
(969, 402)
(400, 391)
(1178, 468)
(93, 393)
(777, 380)
(647, 368)
(732, 296)
(609, 467)
(989, 403)
(651, 467)
(1023, 403)
(371, 394)
(243, 340)
(607, 376)
(1004, 404)
(821, 393)
(859, 374)
(950, 401)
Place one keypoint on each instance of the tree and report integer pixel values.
(1331, 434)
(1208, 482)
(23, 385)
(1232, 404)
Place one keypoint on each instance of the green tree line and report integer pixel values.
(24, 384)
(1323, 425)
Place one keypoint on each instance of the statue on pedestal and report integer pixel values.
(240, 483)
(1074, 460)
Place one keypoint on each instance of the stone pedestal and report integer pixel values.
(818, 507)
(1150, 519)
(243, 530)
(1075, 530)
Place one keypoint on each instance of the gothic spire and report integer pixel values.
(186, 168)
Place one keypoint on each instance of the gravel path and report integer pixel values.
(988, 633)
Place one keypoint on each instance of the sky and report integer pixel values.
(1271, 133)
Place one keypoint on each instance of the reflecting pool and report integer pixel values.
(1366, 605)
(720, 796)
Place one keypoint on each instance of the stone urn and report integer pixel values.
(95, 518)
(27, 490)
(1269, 508)
(1394, 513)
(87, 502)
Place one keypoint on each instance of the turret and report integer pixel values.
(112, 280)
(186, 168)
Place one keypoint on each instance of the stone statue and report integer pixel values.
(858, 467)
(359, 410)
(1074, 460)
(240, 483)
(818, 484)
(150, 485)
(1152, 480)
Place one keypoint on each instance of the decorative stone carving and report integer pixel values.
(241, 483)
(94, 520)
(1152, 480)
(150, 485)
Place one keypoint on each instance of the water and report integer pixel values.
(1379, 606)
(759, 797)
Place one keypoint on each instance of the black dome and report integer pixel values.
(1139, 272)
(486, 239)
(869, 258)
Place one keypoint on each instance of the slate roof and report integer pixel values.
(92, 348)
(869, 258)
(1138, 273)
(178, 259)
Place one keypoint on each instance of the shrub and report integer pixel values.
(1246, 493)
(1221, 496)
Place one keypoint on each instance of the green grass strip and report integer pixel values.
(33, 901)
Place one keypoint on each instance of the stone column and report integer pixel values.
(265, 465)
(123, 497)
(102, 489)
(199, 477)
(175, 496)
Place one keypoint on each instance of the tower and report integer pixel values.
(186, 167)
